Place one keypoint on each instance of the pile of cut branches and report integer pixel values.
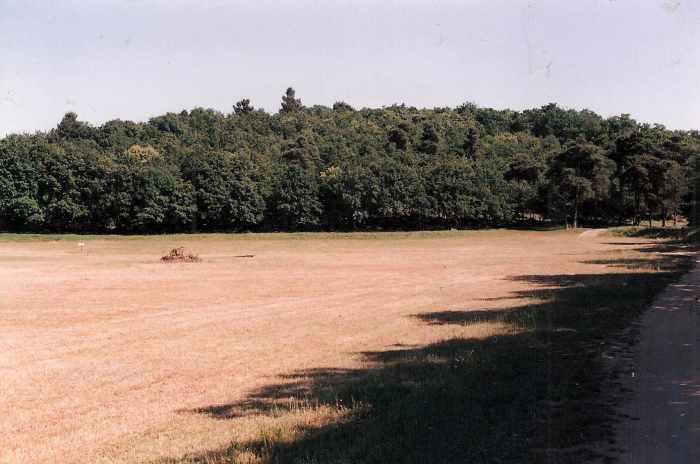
(180, 255)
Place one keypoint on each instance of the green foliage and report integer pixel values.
(242, 107)
(295, 204)
(340, 168)
(429, 140)
(580, 173)
(290, 104)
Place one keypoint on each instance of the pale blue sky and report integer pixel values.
(137, 59)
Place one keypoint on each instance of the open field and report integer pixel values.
(320, 347)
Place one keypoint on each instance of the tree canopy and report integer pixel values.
(341, 168)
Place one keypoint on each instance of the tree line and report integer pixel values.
(339, 168)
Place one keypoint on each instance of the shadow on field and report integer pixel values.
(530, 394)
(631, 245)
(671, 233)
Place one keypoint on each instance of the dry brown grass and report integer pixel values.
(108, 357)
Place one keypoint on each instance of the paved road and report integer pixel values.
(664, 424)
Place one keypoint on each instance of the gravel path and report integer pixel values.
(590, 233)
(664, 412)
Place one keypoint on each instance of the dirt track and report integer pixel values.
(664, 412)
(107, 353)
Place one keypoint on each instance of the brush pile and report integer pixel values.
(180, 255)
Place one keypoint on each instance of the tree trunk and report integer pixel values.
(621, 197)
(193, 224)
(576, 209)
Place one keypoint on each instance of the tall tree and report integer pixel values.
(668, 186)
(579, 173)
(71, 128)
(295, 203)
(429, 139)
(637, 176)
(242, 107)
(291, 104)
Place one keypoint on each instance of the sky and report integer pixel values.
(135, 59)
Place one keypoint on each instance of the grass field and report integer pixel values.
(488, 346)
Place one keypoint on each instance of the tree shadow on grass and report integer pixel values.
(531, 393)
(630, 244)
(668, 263)
(664, 249)
(671, 233)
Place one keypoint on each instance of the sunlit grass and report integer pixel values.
(520, 384)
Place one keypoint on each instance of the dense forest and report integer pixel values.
(311, 168)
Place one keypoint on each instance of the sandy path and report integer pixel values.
(591, 233)
(664, 423)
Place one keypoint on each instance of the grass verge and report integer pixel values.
(432, 234)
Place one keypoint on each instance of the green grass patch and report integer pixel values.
(17, 237)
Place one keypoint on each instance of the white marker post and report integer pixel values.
(82, 247)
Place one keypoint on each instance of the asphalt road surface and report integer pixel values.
(664, 411)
